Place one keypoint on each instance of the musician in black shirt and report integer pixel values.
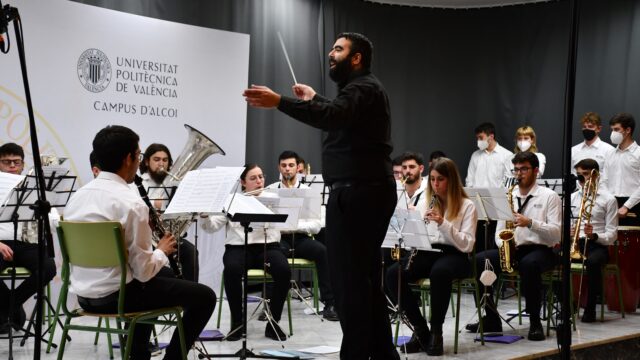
(357, 167)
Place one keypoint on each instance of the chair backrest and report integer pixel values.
(92, 244)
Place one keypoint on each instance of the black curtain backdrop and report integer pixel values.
(446, 71)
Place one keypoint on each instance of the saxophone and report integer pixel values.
(507, 235)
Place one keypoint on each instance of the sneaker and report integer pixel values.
(329, 313)
(274, 331)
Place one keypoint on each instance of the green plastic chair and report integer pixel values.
(304, 264)
(254, 276)
(101, 244)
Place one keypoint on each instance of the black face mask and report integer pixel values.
(588, 134)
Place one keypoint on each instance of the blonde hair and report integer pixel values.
(526, 131)
(455, 191)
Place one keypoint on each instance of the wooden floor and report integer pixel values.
(311, 331)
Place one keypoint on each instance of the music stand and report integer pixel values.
(407, 231)
(316, 182)
(309, 210)
(19, 207)
(492, 204)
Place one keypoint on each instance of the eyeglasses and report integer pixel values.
(523, 169)
(8, 162)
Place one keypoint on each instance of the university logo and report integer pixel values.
(94, 70)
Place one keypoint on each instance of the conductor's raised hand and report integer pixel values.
(261, 96)
(303, 92)
(167, 244)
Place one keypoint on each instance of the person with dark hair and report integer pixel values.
(452, 217)
(596, 234)
(592, 147)
(160, 188)
(622, 168)
(436, 154)
(396, 164)
(150, 284)
(300, 243)
(252, 182)
(486, 169)
(95, 167)
(486, 166)
(414, 186)
(18, 251)
(357, 169)
(537, 229)
(301, 167)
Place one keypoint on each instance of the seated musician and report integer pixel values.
(301, 243)
(252, 181)
(538, 216)
(598, 233)
(18, 253)
(452, 216)
(150, 285)
(153, 171)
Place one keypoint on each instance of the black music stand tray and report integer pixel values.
(245, 220)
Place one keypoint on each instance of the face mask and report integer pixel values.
(616, 137)
(483, 145)
(588, 134)
(524, 145)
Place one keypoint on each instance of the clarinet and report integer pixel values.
(156, 226)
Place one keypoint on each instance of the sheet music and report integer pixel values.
(288, 206)
(312, 201)
(204, 191)
(8, 182)
(494, 204)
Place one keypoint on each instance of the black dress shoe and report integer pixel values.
(536, 331)
(435, 346)
(4, 328)
(263, 316)
(274, 331)
(329, 313)
(589, 317)
(489, 325)
(235, 335)
(418, 342)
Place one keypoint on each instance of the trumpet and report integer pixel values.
(589, 193)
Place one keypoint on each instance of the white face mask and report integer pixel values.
(524, 145)
(616, 138)
(483, 145)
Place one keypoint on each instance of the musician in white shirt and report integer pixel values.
(592, 147)
(623, 167)
(486, 166)
(301, 244)
(525, 141)
(598, 232)
(537, 222)
(263, 245)
(20, 252)
(150, 285)
(451, 218)
(160, 188)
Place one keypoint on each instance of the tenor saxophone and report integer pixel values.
(507, 235)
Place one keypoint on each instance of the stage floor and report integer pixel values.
(310, 331)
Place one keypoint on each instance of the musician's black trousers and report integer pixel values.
(597, 256)
(233, 260)
(164, 290)
(532, 260)
(189, 261)
(441, 269)
(357, 221)
(24, 255)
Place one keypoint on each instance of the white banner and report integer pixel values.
(90, 67)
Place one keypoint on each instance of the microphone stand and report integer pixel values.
(42, 206)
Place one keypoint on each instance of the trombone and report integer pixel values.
(589, 193)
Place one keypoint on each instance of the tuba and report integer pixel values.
(507, 235)
(589, 193)
(198, 148)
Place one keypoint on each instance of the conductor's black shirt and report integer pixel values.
(358, 122)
